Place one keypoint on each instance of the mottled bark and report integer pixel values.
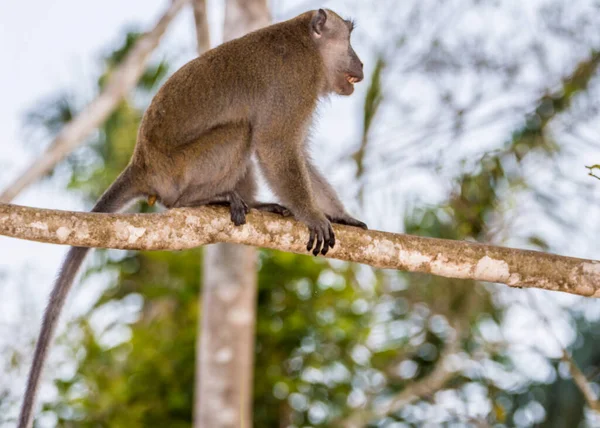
(179, 229)
(120, 82)
(214, 394)
(226, 344)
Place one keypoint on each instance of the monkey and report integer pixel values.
(250, 98)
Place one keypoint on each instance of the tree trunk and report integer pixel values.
(226, 341)
(202, 29)
(228, 309)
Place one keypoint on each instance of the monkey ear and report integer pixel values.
(318, 22)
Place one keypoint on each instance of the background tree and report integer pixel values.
(225, 357)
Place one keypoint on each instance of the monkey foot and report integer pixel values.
(273, 208)
(238, 209)
(348, 221)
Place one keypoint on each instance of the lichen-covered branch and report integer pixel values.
(121, 81)
(179, 229)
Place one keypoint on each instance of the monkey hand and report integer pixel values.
(321, 231)
(348, 221)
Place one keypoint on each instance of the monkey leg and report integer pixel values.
(240, 200)
(328, 200)
(246, 188)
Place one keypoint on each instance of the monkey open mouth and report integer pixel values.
(352, 79)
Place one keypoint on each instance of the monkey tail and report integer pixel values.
(124, 190)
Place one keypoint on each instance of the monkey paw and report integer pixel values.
(325, 238)
(348, 221)
(238, 209)
(273, 208)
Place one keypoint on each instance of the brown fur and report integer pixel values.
(252, 96)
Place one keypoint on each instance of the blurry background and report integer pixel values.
(475, 121)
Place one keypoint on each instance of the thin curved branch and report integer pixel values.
(184, 228)
(121, 81)
(427, 386)
(581, 381)
(592, 168)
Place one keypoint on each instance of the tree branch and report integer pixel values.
(579, 378)
(582, 382)
(184, 228)
(121, 81)
(592, 168)
(428, 385)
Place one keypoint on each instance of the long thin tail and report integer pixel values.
(124, 190)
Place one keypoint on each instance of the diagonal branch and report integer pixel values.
(592, 168)
(121, 81)
(581, 381)
(179, 229)
(428, 385)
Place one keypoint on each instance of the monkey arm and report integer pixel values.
(287, 174)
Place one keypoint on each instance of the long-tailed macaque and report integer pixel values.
(253, 96)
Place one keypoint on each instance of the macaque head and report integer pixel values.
(332, 35)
